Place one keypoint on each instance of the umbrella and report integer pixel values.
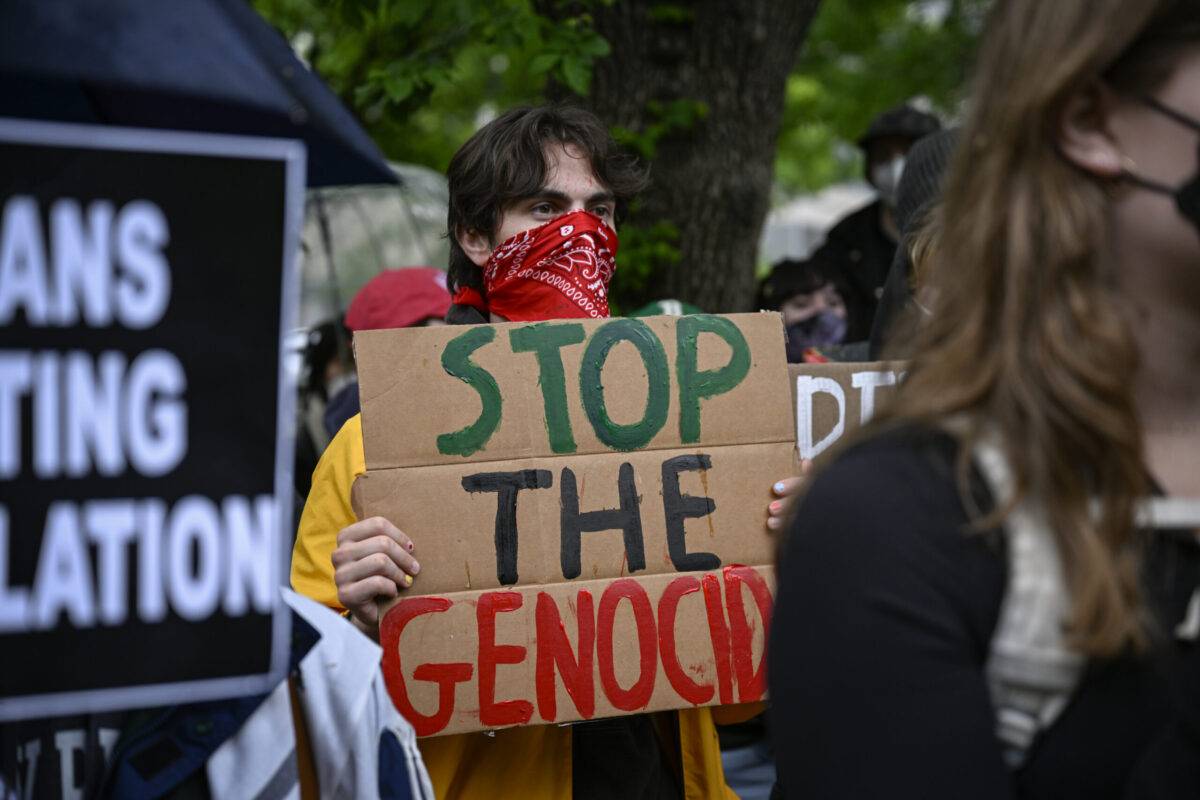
(200, 65)
(371, 228)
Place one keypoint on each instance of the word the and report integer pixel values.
(573, 523)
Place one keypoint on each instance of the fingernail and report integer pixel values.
(408, 580)
(773, 523)
(778, 504)
(416, 567)
(779, 487)
(410, 547)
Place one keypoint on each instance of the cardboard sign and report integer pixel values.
(146, 278)
(583, 497)
(833, 399)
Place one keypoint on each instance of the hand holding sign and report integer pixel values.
(373, 559)
(587, 495)
(787, 490)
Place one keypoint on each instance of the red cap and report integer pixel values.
(399, 298)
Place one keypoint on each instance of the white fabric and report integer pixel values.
(1030, 671)
(1169, 513)
(346, 708)
(260, 756)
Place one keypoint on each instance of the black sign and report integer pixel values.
(145, 418)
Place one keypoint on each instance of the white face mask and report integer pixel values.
(886, 177)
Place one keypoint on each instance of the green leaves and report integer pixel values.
(860, 59)
(544, 62)
(420, 74)
(671, 13)
(646, 251)
(398, 87)
(665, 119)
(577, 74)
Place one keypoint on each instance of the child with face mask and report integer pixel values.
(814, 313)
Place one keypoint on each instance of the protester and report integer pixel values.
(976, 598)
(860, 247)
(522, 185)
(326, 368)
(916, 200)
(814, 313)
(396, 298)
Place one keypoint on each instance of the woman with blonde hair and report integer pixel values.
(994, 591)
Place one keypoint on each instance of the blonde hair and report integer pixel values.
(922, 245)
(1027, 339)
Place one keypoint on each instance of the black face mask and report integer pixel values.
(1187, 196)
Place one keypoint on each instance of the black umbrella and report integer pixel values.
(200, 65)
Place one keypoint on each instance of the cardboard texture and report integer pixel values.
(529, 462)
(571, 651)
(831, 400)
(465, 555)
(409, 399)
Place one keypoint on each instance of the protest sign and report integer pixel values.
(833, 399)
(146, 278)
(588, 502)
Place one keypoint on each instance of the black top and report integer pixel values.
(894, 303)
(883, 620)
(859, 254)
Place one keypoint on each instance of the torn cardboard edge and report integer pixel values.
(567, 652)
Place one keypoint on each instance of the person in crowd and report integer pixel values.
(861, 246)
(326, 368)
(409, 297)
(916, 220)
(523, 184)
(814, 313)
(990, 593)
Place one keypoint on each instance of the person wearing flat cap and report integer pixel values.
(860, 248)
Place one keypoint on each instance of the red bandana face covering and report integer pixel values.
(560, 270)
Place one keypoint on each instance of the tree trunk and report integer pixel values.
(711, 179)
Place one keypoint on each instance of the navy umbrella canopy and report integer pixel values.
(200, 65)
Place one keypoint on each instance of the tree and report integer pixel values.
(704, 90)
(859, 59)
(422, 75)
(698, 89)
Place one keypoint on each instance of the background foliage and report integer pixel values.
(423, 75)
(861, 58)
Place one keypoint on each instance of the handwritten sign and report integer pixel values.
(588, 501)
(832, 400)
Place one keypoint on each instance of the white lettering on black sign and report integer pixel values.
(102, 415)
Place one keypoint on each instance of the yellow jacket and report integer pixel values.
(531, 761)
